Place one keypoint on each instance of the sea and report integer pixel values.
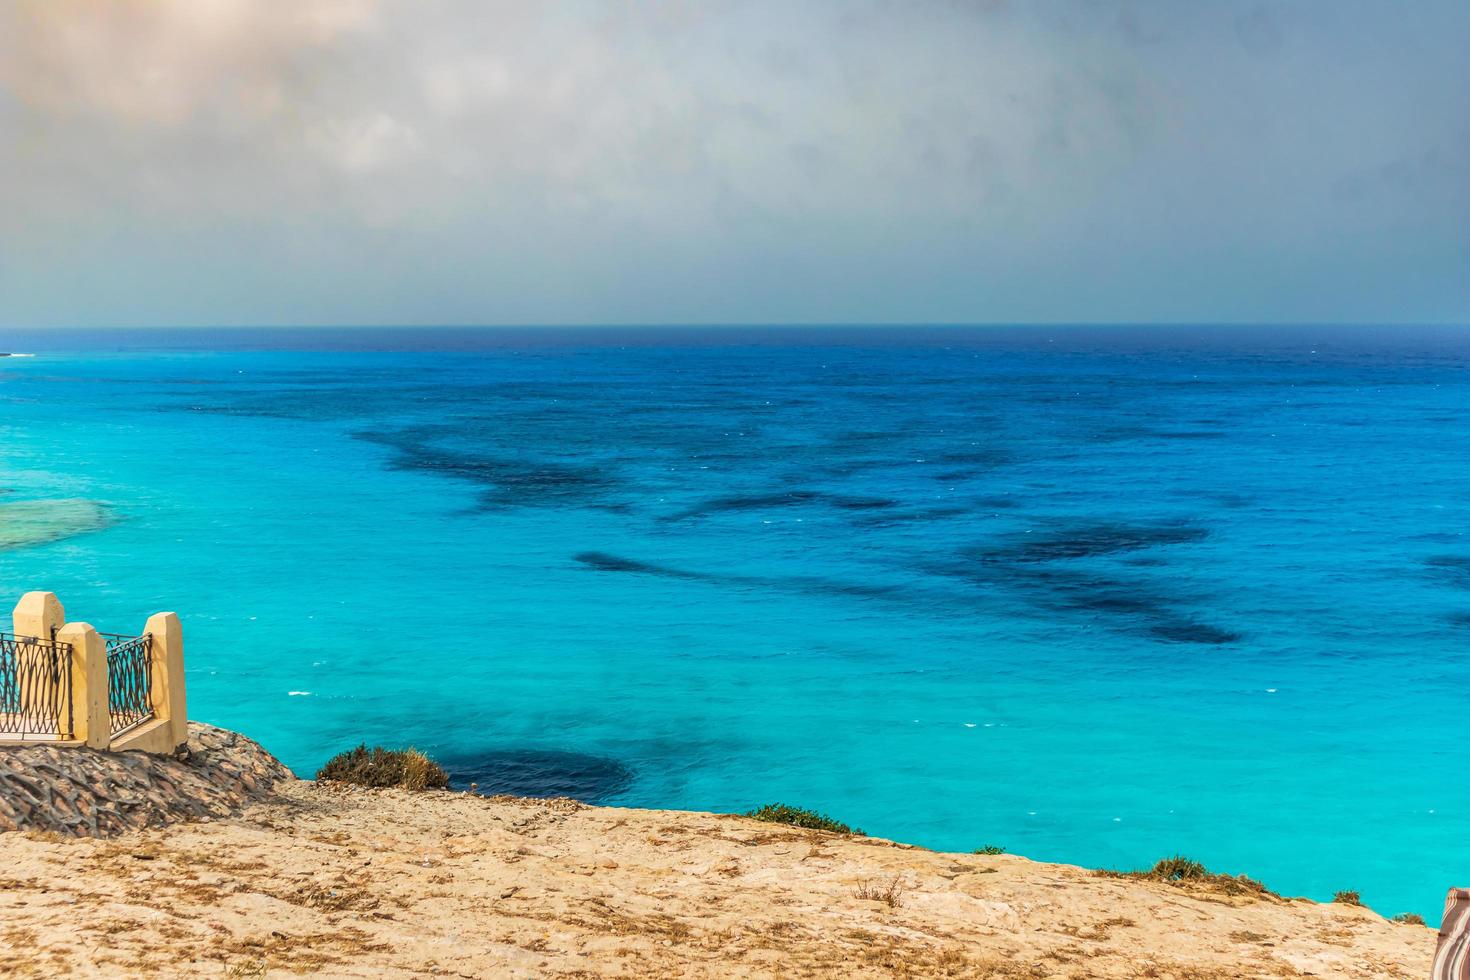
(1096, 595)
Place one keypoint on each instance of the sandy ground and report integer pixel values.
(358, 883)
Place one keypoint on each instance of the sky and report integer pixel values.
(328, 162)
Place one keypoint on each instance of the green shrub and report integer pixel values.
(991, 849)
(1179, 868)
(1409, 919)
(797, 817)
(1347, 898)
(1182, 871)
(379, 767)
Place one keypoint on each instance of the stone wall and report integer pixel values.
(82, 792)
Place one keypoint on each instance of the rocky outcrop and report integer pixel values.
(81, 792)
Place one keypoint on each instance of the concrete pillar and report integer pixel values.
(168, 675)
(38, 614)
(91, 722)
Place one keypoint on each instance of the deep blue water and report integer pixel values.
(1097, 596)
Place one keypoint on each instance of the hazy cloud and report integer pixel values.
(188, 161)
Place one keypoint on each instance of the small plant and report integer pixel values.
(1409, 919)
(1347, 898)
(890, 894)
(991, 849)
(1184, 872)
(379, 767)
(1179, 868)
(952, 963)
(797, 817)
(421, 773)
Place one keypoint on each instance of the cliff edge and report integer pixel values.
(290, 876)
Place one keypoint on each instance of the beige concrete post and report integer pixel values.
(38, 614)
(91, 722)
(168, 675)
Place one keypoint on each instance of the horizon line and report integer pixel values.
(762, 325)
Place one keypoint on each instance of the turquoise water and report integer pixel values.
(1095, 596)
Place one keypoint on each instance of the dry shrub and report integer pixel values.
(890, 894)
(1187, 873)
(421, 773)
(379, 767)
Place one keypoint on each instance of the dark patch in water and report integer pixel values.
(841, 468)
(1459, 619)
(788, 498)
(1223, 498)
(1189, 434)
(1111, 599)
(1132, 607)
(1099, 594)
(987, 458)
(892, 518)
(1454, 567)
(1041, 570)
(1440, 537)
(543, 774)
(1188, 631)
(824, 586)
(507, 481)
(753, 501)
(861, 503)
(604, 562)
(1088, 541)
(996, 503)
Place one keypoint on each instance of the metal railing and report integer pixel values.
(129, 680)
(35, 687)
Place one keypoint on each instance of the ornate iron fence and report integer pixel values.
(129, 680)
(35, 687)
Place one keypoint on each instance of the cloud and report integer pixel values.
(486, 160)
(167, 62)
